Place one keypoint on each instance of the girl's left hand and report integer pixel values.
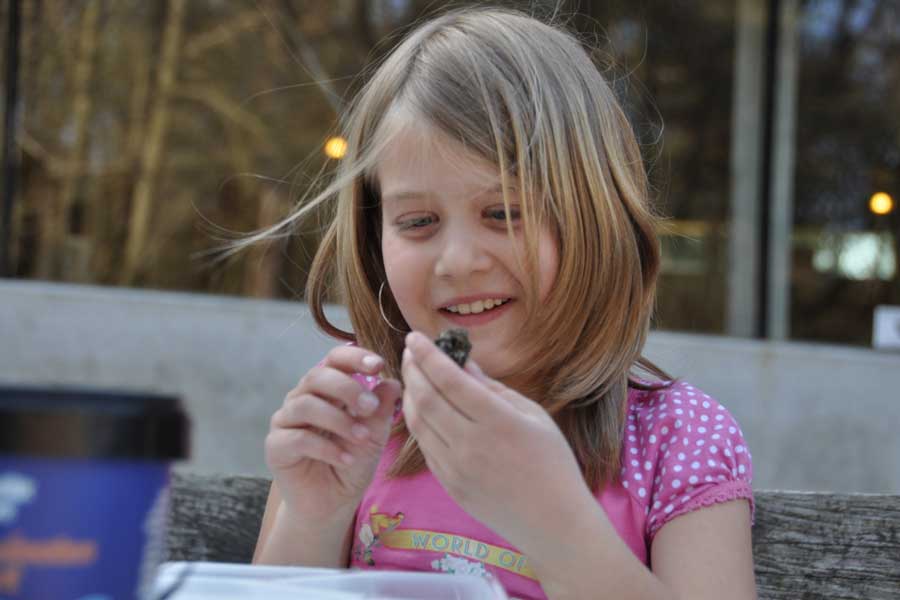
(497, 453)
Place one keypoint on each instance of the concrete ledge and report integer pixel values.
(231, 360)
(816, 417)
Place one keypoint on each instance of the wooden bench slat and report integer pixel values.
(821, 545)
(805, 544)
(215, 518)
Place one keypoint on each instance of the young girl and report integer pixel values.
(492, 182)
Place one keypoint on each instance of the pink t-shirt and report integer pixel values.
(681, 451)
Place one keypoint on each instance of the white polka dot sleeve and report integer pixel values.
(689, 451)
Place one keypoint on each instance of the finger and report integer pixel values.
(287, 447)
(388, 392)
(474, 369)
(437, 412)
(389, 389)
(459, 387)
(311, 411)
(437, 459)
(434, 450)
(353, 359)
(339, 387)
(378, 423)
(430, 441)
(519, 401)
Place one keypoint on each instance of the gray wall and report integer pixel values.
(816, 417)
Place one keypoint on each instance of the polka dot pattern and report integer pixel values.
(692, 453)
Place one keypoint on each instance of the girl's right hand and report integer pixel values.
(325, 441)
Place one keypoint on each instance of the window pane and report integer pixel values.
(848, 150)
(677, 85)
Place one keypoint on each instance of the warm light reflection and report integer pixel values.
(881, 203)
(336, 147)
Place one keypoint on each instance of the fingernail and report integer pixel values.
(372, 362)
(368, 402)
(347, 458)
(360, 432)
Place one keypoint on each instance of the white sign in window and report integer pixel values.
(886, 333)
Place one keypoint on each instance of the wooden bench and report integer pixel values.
(805, 544)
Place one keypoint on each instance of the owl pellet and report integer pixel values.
(455, 344)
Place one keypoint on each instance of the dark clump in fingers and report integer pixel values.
(455, 343)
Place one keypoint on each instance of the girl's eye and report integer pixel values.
(500, 214)
(417, 222)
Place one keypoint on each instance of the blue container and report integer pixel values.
(84, 480)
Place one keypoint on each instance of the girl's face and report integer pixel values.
(447, 252)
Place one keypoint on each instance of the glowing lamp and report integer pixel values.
(881, 203)
(336, 147)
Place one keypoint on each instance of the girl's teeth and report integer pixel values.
(476, 307)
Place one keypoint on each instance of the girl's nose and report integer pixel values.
(461, 253)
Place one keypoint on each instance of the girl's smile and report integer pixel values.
(472, 311)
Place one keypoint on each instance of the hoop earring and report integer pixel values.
(381, 309)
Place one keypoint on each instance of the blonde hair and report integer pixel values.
(526, 97)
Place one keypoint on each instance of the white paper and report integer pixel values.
(208, 581)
